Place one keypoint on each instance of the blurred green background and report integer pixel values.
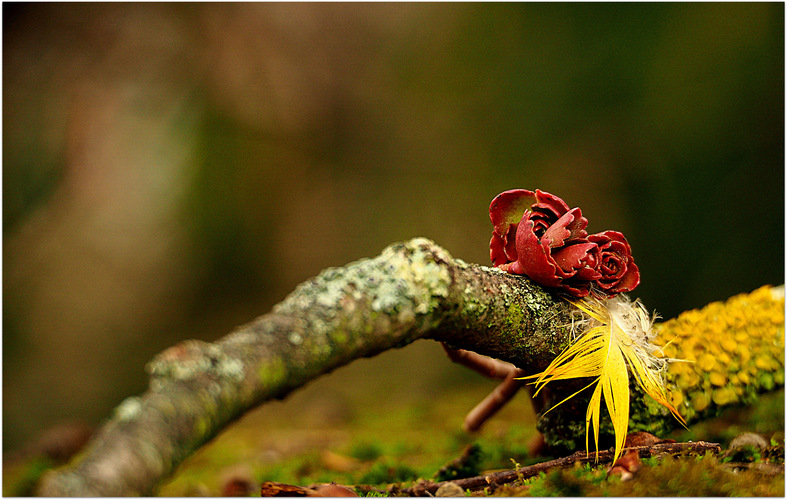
(171, 171)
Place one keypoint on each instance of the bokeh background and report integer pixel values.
(171, 171)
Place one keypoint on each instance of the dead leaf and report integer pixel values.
(627, 465)
(272, 489)
(642, 438)
(334, 490)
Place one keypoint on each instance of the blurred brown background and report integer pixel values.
(173, 170)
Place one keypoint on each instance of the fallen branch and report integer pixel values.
(413, 290)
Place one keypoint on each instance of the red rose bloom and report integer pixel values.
(537, 235)
(618, 271)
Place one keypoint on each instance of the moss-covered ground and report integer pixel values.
(398, 417)
(360, 426)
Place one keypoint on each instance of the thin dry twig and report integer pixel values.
(492, 481)
(492, 368)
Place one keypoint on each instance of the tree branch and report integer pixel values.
(412, 290)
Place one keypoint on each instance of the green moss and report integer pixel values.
(745, 453)
(581, 480)
(202, 427)
(383, 473)
(339, 338)
(366, 451)
(515, 316)
(511, 445)
(383, 431)
(681, 476)
(272, 372)
(468, 465)
(20, 478)
(701, 477)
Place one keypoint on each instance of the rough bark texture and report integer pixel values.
(412, 290)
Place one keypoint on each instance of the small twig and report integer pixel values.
(428, 488)
(492, 368)
(486, 366)
(491, 404)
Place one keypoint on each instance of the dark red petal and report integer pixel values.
(541, 222)
(590, 269)
(615, 248)
(496, 251)
(569, 226)
(571, 257)
(556, 235)
(606, 237)
(577, 227)
(588, 273)
(555, 203)
(533, 258)
(613, 264)
(577, 289)
(620, 273)
(508, 207)
(510, 243)
(513, 268)
(502, 249)
(630, 280)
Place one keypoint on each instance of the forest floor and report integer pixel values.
(360, 427)
(388, 421)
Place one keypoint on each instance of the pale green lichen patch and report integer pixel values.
(405, 281)
(193, 358)
(415, 276)
(128, 409)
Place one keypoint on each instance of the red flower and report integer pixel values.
(537, 235)
(618, 271)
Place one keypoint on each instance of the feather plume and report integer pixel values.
(612, 337)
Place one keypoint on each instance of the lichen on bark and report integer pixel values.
(412, 290)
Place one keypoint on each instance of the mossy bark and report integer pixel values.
(724, 354)
(413, 290)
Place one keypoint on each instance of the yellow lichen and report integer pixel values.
(734, 349)
(727, 343)
(699, 401)
(706, 362)
(723, 396)
(717, 378)
(676, 398)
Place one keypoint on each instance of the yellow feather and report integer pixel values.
(614, 337)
